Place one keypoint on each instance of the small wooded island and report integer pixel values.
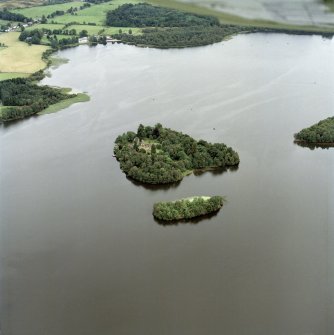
(157, 155)
(187, 208)
(321, 133)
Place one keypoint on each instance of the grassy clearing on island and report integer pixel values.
(81, 97)
(39, 11)
(19, 57)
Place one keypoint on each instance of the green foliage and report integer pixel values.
(21, 97)
(168, 28)
(31, 36)
(187, 208)
(6, 15)
(179, 37)
(322, 132)
(145, 15)
(157, 155)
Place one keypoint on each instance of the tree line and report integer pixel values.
(157, 155)
(186, 208)
(9, 16)
(179, 37)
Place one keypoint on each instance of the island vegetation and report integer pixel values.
(187, 208)
(321, 133)
(158, 155)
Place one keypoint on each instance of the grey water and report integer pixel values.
(80, 252)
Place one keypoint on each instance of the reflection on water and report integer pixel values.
(312, 146)
(193, 221)
(154, 187)
(216, 171)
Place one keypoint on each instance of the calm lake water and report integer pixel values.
(80, 251)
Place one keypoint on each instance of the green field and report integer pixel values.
(11, 75)
(45, 41)
(19, 58)
(39, 11)
(3, 22)
(94, 14)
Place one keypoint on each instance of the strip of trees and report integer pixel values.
(186, 208)
(9, 16)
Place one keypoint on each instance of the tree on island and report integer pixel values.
(321, 133)
(157, 155)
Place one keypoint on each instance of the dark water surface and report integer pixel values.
(80, 251)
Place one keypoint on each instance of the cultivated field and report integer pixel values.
(19, 59)
(94, 14)
(39, 11)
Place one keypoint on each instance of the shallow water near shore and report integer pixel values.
(80, 251)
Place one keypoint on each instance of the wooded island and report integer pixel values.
(157, 155)
(321, 133)
(187, 208)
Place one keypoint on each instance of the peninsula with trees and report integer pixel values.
(22, 97)
(158, 155)
(321, 133)
(188, 208)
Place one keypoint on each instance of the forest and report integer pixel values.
(168, 28)
(157, 155)
(20, 98)
(179, 37)
(146, 15)
(322, 132)
(187, 208)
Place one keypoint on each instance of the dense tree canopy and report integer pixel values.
(145, 15)
(168, 28)
(187, 208)
(20, 98)
(157, 155)
(179, 37)
(7, 15)
(322, 132)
